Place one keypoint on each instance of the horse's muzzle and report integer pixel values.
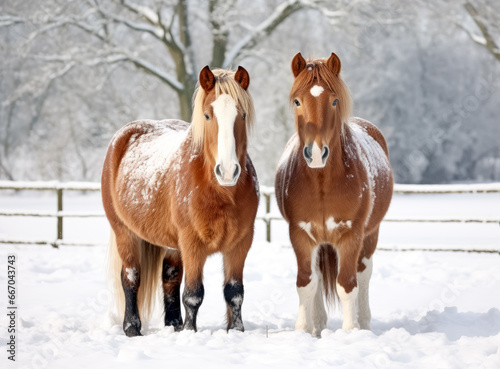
(316, 157)
(227, 176)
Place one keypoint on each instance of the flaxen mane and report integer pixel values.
(224, 84)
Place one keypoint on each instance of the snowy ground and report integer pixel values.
(430, 309)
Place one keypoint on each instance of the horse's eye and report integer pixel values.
(335, 102)
(207, 117)
(296, 102)
(244, 116)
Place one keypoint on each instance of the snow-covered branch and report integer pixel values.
(156, 31)
(148, 13)
(9, 20)
(487, 40)
(157, 72)
(268, 25)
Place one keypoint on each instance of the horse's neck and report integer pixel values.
(336, 165)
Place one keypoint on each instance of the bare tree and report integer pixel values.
(167, 25)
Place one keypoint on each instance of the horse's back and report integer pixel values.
(373, 157)
(138, 157)
(372, 130)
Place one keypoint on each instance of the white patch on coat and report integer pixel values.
(131, 274)
(331, 224)
(225, 111)
(364, 314)
(316, 90)
(306, 227)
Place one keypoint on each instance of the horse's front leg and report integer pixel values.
(234, 261)
(312, 315)
(172, 278)
(347, 287)
(193, 258)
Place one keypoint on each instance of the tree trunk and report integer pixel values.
(186, 108)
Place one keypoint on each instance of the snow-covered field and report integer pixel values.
(430, 309)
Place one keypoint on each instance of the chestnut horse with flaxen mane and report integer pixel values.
(176, 193)
(333, 186)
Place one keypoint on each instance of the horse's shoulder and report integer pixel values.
(371, 129)
(253, 174)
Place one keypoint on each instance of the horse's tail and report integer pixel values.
(151, 258)
(328, 265)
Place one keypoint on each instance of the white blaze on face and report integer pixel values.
(225, 111)
(316, 90)
(317, 160)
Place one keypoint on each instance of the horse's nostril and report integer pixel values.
(325, 153)
(308, 152)
(218, 170)
(236, 172)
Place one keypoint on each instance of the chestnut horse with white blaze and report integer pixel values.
(333, 186)
(176, 193)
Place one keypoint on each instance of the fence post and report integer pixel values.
(59, 216)
(268, 220)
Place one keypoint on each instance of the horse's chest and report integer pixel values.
(219, 228)
(325, 215)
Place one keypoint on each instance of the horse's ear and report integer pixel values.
(242, 77)
(333, 63)
(298, 64)
(207, 79)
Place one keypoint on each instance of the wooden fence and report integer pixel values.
(266, 192)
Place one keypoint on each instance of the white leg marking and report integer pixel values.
(306, 301)
(312, 315)
(131, 275)
(363, 295)
(319, 313)
(348, 307)
(225, 111)
(307, 228)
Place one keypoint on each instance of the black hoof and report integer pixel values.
(236, 328)
(174, 323)
(189, 327)
(132, 331)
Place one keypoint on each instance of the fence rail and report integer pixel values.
(266, 192)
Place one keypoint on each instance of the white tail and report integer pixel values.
(151, 262)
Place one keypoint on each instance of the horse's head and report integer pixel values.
(225, 109)
(322, 105)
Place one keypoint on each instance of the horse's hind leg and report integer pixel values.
(234, 261)
(127, 245)
(348, 252)
(172, 278)
(365, 267)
